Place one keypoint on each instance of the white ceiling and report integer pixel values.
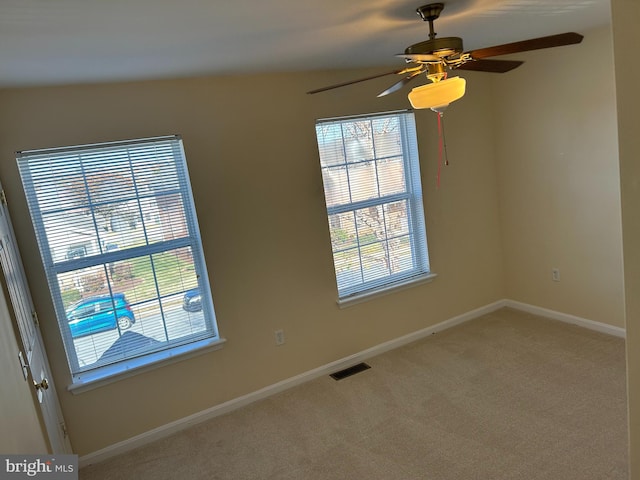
(74, 41)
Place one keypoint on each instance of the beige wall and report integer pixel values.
(20, 430)
(255, 173)
(626, 37)
(559, 180)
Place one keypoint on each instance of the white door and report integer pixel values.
(33, 356)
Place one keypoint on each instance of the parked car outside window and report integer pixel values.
(191, 301)
(98, 314)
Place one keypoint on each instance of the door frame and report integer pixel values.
(33, 357)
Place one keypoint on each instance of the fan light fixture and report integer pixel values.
(438, 95)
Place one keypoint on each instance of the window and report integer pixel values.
(371, 177)
(119, 239)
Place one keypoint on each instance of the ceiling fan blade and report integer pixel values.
(398, 85)
(493, 66)
(559, 40)
(351, 82)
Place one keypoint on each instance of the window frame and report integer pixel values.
(421, 271)
(172, 349)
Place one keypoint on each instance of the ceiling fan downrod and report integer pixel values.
(429, 13)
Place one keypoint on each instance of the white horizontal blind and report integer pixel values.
(119, 239)
(371, 176)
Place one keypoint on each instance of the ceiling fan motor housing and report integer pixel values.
(442, 47)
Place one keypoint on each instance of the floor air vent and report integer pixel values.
(347, 372)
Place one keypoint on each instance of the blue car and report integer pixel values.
(192, 300)
(98, 314)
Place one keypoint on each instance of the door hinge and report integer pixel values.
(23, 365)
(3, 198)
(34, 315)
(63, 427)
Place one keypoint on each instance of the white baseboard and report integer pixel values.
(565, 317)
(173, 427)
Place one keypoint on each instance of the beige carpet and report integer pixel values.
(507, 396)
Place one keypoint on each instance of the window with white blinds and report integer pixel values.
(372, 187)
(119, 239)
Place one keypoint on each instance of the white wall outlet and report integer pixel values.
(279, 334)
(555, 274)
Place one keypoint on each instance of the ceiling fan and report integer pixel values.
(437, 56)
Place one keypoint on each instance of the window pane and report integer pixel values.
(330, 144)
(348, 268)
(180, 323)
(58, 196)
(375, 261)
(400, 258)
(103, 184)
(358, 140)
(174, 271)
(370, 223)
(172, 219)
(336, 186)
(391, 176)
(387, 137)
(343, 231)
(396, 221)
(363, 181)
(72, 234)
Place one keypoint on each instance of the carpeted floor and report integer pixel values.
(507, 396)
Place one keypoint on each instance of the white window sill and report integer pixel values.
(378, 292)
(86, 381)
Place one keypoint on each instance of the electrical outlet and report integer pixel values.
(279, 334)
(555, 274)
